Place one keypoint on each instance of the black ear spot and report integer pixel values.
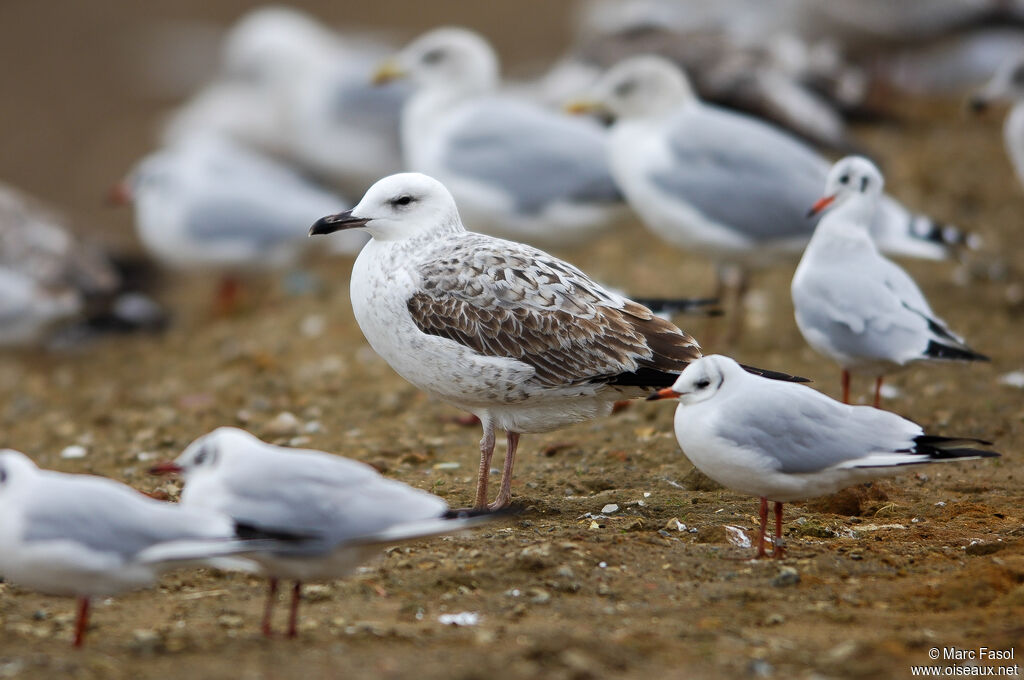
(3, 475)
(1018, 75)
(864, 184)
(433, 56)
(625, 88)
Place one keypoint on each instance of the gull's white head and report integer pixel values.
(397, 207)
(449, 58)
(272, 43)
(851, 178)
(14, 468)
(209, 453)
(1006, 85)
(703, 379)
(638, 87)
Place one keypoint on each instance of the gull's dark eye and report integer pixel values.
(433, 56)
(845, 179)
(624, 89)
(3, 475)
(405, 199)
(702, 383)
(201, 456)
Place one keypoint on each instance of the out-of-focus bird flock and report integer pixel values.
(723, 128)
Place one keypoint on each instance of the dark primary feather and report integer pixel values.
(937, 350)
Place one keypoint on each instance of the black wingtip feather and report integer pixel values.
(949, 448)
(705, 307)
(774, 375)
(252, 532)
(937, 350)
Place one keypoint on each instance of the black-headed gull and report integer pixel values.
(336, 513)
(852, 304)
(521, 339)
(87, 536)
(785, 442)
(516, 168)
(724, 184)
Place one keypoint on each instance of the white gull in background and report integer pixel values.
(209, 203)
(290, 86)
(334, 512)
(1008, 85)
(522, 340)
(86, 536)
(851, 303)
(724, 184)
(785, 442)
(516, 168)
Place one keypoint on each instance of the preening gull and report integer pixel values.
(521, 339)
(725, 184)
(516, 168)
(786, 442)
(334, 513)
(851, 303)
(87, 536)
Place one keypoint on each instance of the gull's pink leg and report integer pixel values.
(82, 622)
(878, 391)
(846, 386)
(779, 549)
(269, 608)
(764, 527)
(505, 490)
(486, 452)
(293, 617)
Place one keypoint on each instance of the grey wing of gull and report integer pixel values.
(326, 498)
(108, 517)
(259, 224)
(355, 100)
(742, 173)
(804, 431)
(539, 157)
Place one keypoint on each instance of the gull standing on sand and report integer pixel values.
(1008, 84)
(88, 537)
(786, 442)
(516, 168)
(724, 184)
(522, 340)
(334, 513)
(851, 303)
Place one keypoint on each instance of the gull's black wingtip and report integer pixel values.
(775, 375)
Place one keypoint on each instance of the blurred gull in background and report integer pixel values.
(1008, 85)
(209, 203)
(516, 168)
(855, 306)
(725, 184)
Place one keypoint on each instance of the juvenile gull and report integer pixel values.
(851, 303)
(516, 168)
(87, 536)
(724, 184)
(785, 442)
(336, 513)
(522, 340)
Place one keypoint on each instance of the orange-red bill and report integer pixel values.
(667, 393)
(820, 204)
(166, 468)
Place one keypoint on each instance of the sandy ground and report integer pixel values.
(875, 577)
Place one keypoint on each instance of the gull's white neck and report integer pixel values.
(846, 225)
(1013, 135)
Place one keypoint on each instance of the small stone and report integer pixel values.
(538, 596)
(460, 619)
(774, 619)
(230, 621)
(674, 525)
(609, 509)
(447, 465)
(74, 451)
(981, 548)
(787, 576)
(317, 592)
(283, 424)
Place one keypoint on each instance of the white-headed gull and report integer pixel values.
(786, 442)
(337, 513)
(516, 168)
(87, 536)
(210, 203)
(521, 339)
(722, 183)
(851, 303)
(1008, 85)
